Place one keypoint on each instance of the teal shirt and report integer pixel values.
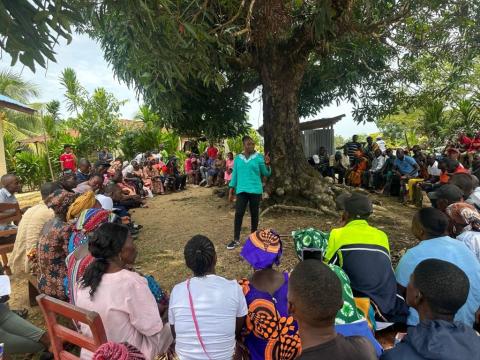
(247, 174)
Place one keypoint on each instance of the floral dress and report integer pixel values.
(52, 250)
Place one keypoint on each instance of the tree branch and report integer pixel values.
(235, 17)
(248, 21)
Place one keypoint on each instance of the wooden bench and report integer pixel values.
(60, 334)
(8, 213)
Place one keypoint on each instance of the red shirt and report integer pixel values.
(69, 161)
(465, 141)
(475, 145)
(212, 152)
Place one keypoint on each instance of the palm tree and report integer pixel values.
(17, 124)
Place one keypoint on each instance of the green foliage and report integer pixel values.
(338, 141)
(28, 169)
(11, 147)
(30, 29)
(148, 138)
(14, 86)
(235, 144)
(195, 60)
(96, 115)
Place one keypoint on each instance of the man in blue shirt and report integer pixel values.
(405, 168)
(430, 227)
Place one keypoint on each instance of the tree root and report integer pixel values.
(323, 210)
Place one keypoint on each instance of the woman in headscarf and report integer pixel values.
(52, 248)
(270, 333)
(52, 245)
(78, 255)
(85, 201)
(465, 225)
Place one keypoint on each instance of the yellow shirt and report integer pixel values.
(27, 236)
(355, 232)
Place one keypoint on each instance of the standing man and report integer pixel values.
(381, 144)
(212, 151)
(68, 160)
(370, 148)
(352, 147)
(248, 169)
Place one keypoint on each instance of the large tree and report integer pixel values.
(195, 59)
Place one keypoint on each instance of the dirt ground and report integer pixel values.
(171, 220)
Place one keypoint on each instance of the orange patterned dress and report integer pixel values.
(270, 333)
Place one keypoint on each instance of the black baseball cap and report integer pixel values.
(356, 204)
(448, 191)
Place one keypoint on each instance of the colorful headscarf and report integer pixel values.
(88, 221)
(116, 351)
(262, 249)
(60, 201)
(309, 238)
(466, 214)
(85, 201)
(349, 312)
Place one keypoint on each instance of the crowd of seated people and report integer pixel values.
(329, 306)
(343, 290)
(406, 173)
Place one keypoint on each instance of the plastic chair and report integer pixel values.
(59, 334)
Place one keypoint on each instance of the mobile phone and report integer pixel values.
(309, 253)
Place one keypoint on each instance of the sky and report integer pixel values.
(86, 58)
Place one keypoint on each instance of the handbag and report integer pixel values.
(195, 322)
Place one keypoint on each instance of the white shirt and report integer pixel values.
(472, 240)
(433, 170)
(7, 198)
(127, 170)
(377, 163)
(217, 303)
(474, 198)
(381, 145)
(139, 158)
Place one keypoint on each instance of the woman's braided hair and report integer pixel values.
(199, 255)
(105, 243)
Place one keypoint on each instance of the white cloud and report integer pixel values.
(86, 58)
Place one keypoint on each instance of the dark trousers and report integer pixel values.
(241, 205)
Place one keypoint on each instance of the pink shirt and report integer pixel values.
(228, 165)
(188, 165)
(128, 311)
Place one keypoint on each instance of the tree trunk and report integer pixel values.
(293, 179)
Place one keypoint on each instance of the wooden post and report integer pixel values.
(46, 146)
(3, 163)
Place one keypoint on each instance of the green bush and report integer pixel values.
(29, 170)
(147, 139)
(235, 144)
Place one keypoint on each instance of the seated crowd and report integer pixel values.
(339, 295)
(406, 173)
